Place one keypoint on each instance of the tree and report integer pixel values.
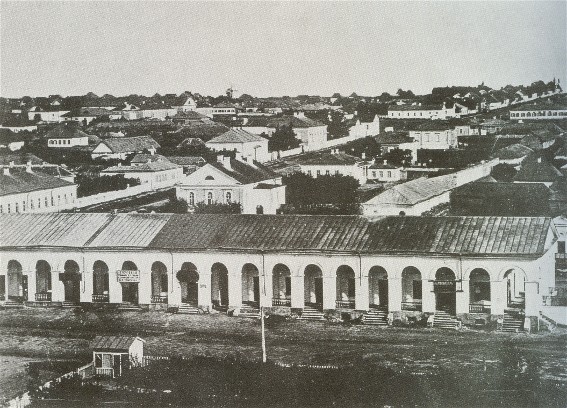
(337, 127)
(503, 172)
(405, 94)
(218, 208)
(283, 139)
(398, 157)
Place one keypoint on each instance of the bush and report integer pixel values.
(218, 208)
(94, 185)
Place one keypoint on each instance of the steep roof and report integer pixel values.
(515, 151)
(475, 236)
(245, 173)
(326, 159)
(130, 144)
(237, 136)
(537, 169)
(415, 191)
(66, 131)
(20, 181)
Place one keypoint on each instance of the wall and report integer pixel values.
(111, 195)
(58, 199)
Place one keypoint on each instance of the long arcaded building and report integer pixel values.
(405, 266)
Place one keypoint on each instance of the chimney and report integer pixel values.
(6, 171)
(385, 162)
(539, 159)
(29, 167)
(119, 164)
(12, 164)
(225, 161)
(363, 156)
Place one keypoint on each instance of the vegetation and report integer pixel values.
(94, 185)
(284, 138)
(332, 194)
(218, 208)
(503, 172)
(398, 157)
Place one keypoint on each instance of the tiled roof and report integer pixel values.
(437, 125)
(130, 230)
(245, 173)
(512, 236)
(326, 159)
(187, 160)
(19, 158)
(237, 136)
(66, 131)
(49, 229)
(537, 169)
(156, 166)
(415, 191)
(393, 138)
(146, 157)
(395, 108)
(113, 342)
(514, 151)
(20, 181)
(130, 144)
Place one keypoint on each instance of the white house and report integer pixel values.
(434, 135)
(187, 106)
(419, 111)
(363, 129)
(257, 188)
(246, 144)
(113, 355)
(86, 115)
(157, 174)
(121, 147)
(541, 111)
(385, 172)
(66, 136)
(52, 114)
(25, 189)
(474, 268)
(332, 163)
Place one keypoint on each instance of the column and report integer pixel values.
(32, 288)
(497, 297)
(114, 288)
(234, 288)
(462, 298)
(428, 297)
(145, 286)
(174, 288)
(265, 282)
(394, 294)
(361, 301)
(297, 291)
(57, 287)
(86, 287)
(533, 299)
(329, 291)
(204, 290)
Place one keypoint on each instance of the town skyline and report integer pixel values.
(276, 49)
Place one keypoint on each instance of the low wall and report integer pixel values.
(111, 195)
(557, 313)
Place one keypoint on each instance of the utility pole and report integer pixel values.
(263, 335)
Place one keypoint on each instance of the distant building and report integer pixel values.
(188, 105)
(434, 135)
(389, 141)
(361, 129)
(536, 169)
(539, 111)
(52, 114)
(121, 147)
(421, 112)
(385, 172)
(318, 164)
(189, 163)
(247, 144)
(24, 189)
(257, 188)
(67, 136)
(188, 117)
(86, 115)
(513, 154)
(158, 174)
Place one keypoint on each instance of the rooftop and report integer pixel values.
(501, 236)
(237, 136)
(113, 342)
(245, 173)
(66, 131)
(151, 167)
(326, 159)
(393, 138)
(20, 181)
(515, 151)
(130, 144)
(537, 169)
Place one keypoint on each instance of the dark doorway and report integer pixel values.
(383, 292)
(130, 292)
(319, 291)
(256, 283)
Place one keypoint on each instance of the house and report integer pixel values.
(410, 267)
(539, 111)
(128, 111)
(419, 111)
(492, 126)
(113, 355)
(188, 117)
(513, 154)
(438, 135)
(536, 169)
(86, 115)
(200, 130)
(157, 111)
(385, 172)
(257, 188)
(158, 174)
(360, 129)
(67, 136)
(28, 189)
(417, 196)
(325, 163)
(501, 199)
(189, 163)
(52, 114)
(244, 143)
(121, 147)
(187, 104)
(389, 141)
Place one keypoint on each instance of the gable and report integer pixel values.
(209, 176)
(102, 148)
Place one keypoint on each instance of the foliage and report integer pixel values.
(174, 206)
(332, 194)
(503, 172)
(405, 94)
(283, 138)
(218, 208)
(398, 157)
(367, 145)
(94, 185)
(337, 126)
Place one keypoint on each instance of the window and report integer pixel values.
(389, 174)
(288, 286)
(52, 200)
(381, 174)
(309, 173)
(351, 288)
(209, 197)
(228, 197)
(31, 205)
(1, 209)
(336, 172)
(23, 206)
(373, 174)
(46, 202)
(328, 172)
(9, 209)
(318, 172)
(191, 198)
(259, 209)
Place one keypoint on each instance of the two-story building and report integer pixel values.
(246, 144)
(324, 163)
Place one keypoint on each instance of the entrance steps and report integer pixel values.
(69, 304)
(126, 306)
(512, 323)
(13, 304)
(185, 308)
(249, 311)
(444, 320)
(376, 317)
(311, 313)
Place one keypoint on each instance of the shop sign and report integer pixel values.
(127, 276)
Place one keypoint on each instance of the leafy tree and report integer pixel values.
(503, 172)
(218, 208)
(399, 157)
(337, 126)
(405, 94)
(283, 138)
(94, 185)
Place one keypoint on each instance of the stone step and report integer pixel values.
(375, 317)
(129, 307)
(187, 309)
(310, 313)
(444, 320)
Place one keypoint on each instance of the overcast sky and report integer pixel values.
(273, 48)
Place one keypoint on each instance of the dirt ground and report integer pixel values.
(492, 362)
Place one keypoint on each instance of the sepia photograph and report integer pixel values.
(283, 203)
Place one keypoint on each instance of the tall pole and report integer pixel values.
(263, 335)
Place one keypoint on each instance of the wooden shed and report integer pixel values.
(112, 355)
